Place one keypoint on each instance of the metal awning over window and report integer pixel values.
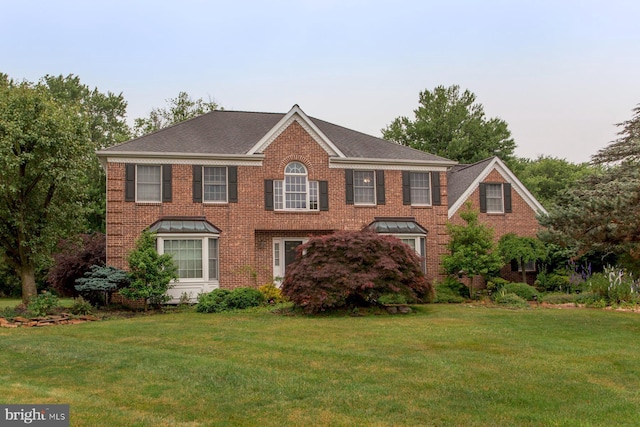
(183, 225)
(396, 226)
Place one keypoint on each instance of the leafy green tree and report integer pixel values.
(602, 211)
(44, 151)
(151, 273)
(178, 110)
(522, 249)
(547, 177)
(471, 248)
(451, 124)
(105, 115)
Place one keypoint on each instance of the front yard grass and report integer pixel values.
(442, 365)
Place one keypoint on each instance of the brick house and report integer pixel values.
(503, 201)
(232, 194)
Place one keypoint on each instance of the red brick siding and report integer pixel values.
(521, 221)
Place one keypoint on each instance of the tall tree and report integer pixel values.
(602, 211)
(472, 251)
(44, 151)
(105, 114)
(547, 177)
(451, 124)
(178, 110)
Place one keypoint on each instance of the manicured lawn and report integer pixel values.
(445, 365)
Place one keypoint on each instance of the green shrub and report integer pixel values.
(80, 307)
(397, 298)
(213, 302)
(151, 274)
(241, 298)
(43, 304)
(523, 290)
(272, 294)
(554, 281)
(449, 292)
(495, 283)
(510, 299)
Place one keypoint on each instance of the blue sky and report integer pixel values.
(561, 73)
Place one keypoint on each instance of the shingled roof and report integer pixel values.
(461, 176)
(225, 132)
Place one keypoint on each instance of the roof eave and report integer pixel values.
(344, 162)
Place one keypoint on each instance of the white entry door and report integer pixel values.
(284, 253)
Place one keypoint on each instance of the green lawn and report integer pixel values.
(445, 365)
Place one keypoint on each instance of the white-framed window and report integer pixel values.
(420, 183)
(214, 181)
(148, 183)
(364, 187)
(196, 256)
(295, 192)
(528, 266)
(495, 202)
(419, 245)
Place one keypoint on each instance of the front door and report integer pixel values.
(284, 253)
(290, 251)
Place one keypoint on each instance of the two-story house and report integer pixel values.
(231, 194)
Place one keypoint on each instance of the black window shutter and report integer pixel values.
(483, 197)
(324, 195)
(348, 179)
(514, 265)
(268, 194)
(232, 172)
(167, 192)
(129, 182)
(380, 199)
(435, 189)
(506, 188)
(406, 187)
(197, 184)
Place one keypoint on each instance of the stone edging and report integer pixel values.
(62, 319)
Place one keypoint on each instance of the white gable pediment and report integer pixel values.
(297, 115)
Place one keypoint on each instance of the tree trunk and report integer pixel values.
(524, 272)
(28, 279)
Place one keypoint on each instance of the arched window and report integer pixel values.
(295, 192)
(295, 186)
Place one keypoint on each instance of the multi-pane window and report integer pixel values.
(187, 254)
(420, 188)
(148, 181)
(296, 192)
(364, 188)
(213, 259)
(215, 184)
(313, 195)
(295, 186)
(494, 198)
(194, 256)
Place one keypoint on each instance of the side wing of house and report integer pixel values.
(503, 201)
(232, 194)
